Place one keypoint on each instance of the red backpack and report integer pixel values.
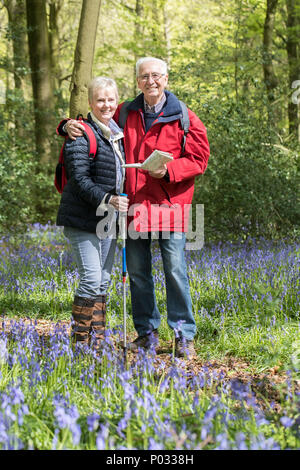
(60, 179)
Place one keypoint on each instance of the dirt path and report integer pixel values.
(264, 384)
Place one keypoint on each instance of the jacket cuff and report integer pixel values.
(171, 174)
(60, 128)
(167, 177)
(104, 203)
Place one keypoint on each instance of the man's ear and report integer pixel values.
(137, 81)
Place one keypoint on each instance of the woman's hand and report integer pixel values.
(120, 203)
(74, 129)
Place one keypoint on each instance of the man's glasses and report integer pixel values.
(155, 76)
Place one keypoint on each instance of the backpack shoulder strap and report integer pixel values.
(185, 123)
(185, 120)
(123, 114)
(92, 140)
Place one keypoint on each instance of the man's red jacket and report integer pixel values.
(157, 204)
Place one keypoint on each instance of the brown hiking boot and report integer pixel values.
(82, 312)
(99, 320)
(145, 341)
(184, 348)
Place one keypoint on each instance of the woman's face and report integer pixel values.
(104, 104)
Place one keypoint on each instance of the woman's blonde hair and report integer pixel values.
(101, 82)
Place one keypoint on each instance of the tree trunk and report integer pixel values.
(39, 53)
(167, 34)
(293, 53)
(236, 55)
(138, 35)
(84, 56)
(17, 34)
(156, 27)
(270, 78)
(17, 28)
(54, 10)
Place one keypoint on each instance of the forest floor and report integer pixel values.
(264, 384)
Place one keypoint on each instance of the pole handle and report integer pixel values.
(123, 227)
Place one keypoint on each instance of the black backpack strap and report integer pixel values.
(185, 123)
(123, 114)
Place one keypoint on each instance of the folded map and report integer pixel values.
(154, 161)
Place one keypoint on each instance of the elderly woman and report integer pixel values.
(93, 187)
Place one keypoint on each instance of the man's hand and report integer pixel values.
(120, 203)
(74, 129)
(159, 172)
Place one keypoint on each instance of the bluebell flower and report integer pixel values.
(240, 440)
(102, 437)
(205, 430)
(286, 421)
(3, 350)
(66, 417)
(261, 443)
(153, 445)
(222, 442)
(93, 422)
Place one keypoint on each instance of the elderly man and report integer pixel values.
(159, 199)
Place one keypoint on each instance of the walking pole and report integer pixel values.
(124, 272)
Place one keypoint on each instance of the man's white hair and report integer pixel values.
(101, 82)
(162, 63)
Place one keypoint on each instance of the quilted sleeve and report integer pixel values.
(77, 162)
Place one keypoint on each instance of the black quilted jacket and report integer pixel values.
(89, 180)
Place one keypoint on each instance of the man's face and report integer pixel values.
(152, 82)
(104, 104)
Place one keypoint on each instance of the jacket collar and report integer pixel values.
(111, 131)
(170, 112)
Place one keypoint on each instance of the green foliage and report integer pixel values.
(215, 53)
(16, 170)
(250, 186)
(27, 192)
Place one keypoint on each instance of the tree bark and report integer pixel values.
(293, 54)
(138, 35)
(54, 10)
(84, 56)
(17, 28)
(156, 26)
(17, 34)
(167, 34)
(236, 55)
(270, 78)
(42, 87)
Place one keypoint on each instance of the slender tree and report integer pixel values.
(84, 56)
(293, 53)
(17, 29)
(19, 66)
(270, 78)
(42, 86)
(54, 11)
(138, 38)
(237, 47)
(167, 25)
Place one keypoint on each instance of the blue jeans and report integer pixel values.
(94, 258)
(146, 316)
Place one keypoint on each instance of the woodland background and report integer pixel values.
(236, 63)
